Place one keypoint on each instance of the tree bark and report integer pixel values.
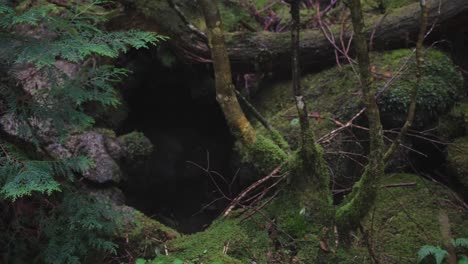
(225, 90)
(269, 51)
(361, 199)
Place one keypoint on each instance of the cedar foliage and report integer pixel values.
(66, 226)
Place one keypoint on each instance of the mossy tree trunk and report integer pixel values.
(225, 90)
(423, 22)
(265, 153)
(311, 177)
(360, 200)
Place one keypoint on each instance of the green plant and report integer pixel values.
(441, 254)
(51, 69)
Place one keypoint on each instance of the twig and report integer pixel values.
(393, 185)
(249, 189)
(254, 111)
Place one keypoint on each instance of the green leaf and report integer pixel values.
(438, 253)
(460, 242)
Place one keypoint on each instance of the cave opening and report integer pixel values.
(174, 105)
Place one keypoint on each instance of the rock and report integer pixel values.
(406, 218)
(96, 147)
(136, 146)
(455, 123)
(141, 235)
(457, 159)
(333, 96)
(112, 194)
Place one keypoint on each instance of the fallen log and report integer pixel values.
(270, 51)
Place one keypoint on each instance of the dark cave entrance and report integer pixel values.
(175, 107)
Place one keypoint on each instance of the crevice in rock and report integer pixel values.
(174, 105)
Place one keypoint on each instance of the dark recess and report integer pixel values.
(175, 107)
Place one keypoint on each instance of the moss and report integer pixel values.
(143, 236)
(207, 246)
(107, 132)
(406, 218)
(458, 159)
(455, 123)
(137, 145)
(334, 94)
(441, 86)
(264, 154)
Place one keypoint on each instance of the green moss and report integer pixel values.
(107, 132)
(441, 86)
(384, 6)
(406, 218)
(207, 246)
(143, 236)
(455, 123)
(264, 154)
(137, 145)
(458, 159)
(335, 94)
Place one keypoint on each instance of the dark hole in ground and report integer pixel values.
(429, 157)
(175, 108)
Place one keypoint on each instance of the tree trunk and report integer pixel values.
(361, 199)
(270, 51)
(311, 178)
(265, 153)
(225, 90)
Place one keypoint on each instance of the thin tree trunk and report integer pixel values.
(423, 19)
(225, 90)
(266, 153)
(360, 200)
(311, 176)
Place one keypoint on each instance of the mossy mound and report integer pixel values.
(225, 241)
(334, 94)
(455, 123)
(141, 235)
(406, 218)
(458, 159)
(441, 86)
(265, 154)
(137, 145)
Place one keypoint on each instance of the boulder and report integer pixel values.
(457, 159)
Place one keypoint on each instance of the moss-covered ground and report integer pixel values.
(333, 95)
(403, 219)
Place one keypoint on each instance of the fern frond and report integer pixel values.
(438, 253)
(460, 242)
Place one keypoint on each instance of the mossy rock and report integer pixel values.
(441, 87)
(137, 146)
(334, 94)
(406, 218)
(208, 246)
(458, 160)
(141, 235)
(455, 123)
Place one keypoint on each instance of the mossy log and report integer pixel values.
(271, 51)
